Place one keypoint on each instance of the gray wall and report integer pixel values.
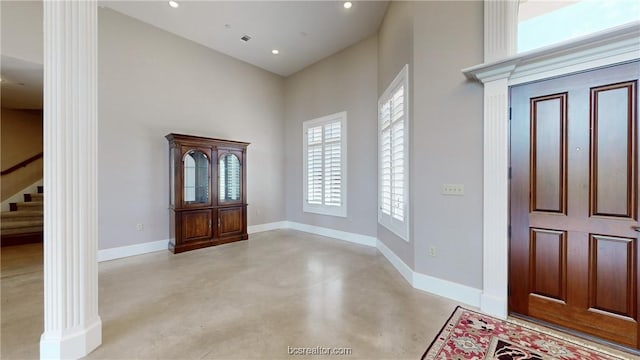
(395, 49)
(21, 30)
(447, 140)
(152, 83)
(345, 81)
(438, 39)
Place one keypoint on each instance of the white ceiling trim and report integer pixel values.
(612, 46)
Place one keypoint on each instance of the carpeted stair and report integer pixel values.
(24, 222)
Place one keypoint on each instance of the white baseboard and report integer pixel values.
(458, 292)
(454, 291)
(336, 234)
(397, 263)
(132, 250)
(19, 196)
(266, 227)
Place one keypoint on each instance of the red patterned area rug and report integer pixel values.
(471, 335)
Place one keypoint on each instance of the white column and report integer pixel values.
(495, 205)
(72, 327)
(500, 29)
(500, 42)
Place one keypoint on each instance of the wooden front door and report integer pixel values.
(574, 202)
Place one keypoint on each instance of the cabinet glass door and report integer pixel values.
(229, 178)
(196, 177)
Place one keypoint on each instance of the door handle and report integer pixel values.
(636, 228)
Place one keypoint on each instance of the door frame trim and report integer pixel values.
(613, 46)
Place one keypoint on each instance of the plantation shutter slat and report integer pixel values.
(392, 155)
(397, 155)
(332, 172)
(325, 168)
(385, 159)
(314, 165)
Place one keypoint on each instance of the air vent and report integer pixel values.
(245, 38)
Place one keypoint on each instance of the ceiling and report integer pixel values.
(304, 32)
(21, 86)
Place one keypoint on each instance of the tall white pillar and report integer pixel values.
(500, 42)
(500, 29)
(496, 197)
(72, 327)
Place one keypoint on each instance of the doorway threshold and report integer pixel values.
(581, 338)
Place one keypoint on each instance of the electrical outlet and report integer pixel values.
(139, 227)
(433, 251)
(453, 189)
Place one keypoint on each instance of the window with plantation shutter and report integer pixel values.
(393, 156)
(325, 168)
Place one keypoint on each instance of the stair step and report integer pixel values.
(23, 214)
(24, 220)
(21, 238)
(20, 224)
(23, 230)
(33, 197)
(31, 205)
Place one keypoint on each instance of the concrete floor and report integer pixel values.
(251, 299)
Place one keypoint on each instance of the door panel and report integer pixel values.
(548, 153)
(613, 156)
(573, 204)
(548, 263)
(196, 225)
(612, 279)
(230, 221)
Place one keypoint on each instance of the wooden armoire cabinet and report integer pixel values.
(207, 199)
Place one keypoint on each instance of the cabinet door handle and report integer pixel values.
(218, 222)
(209, 223)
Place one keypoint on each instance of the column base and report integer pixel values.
(493, 305)
(73, 345)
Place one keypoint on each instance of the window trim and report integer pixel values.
(339, 211)
(400, 228)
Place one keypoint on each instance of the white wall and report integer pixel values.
(152, 83)
(345, 81)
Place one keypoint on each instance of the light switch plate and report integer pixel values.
(453, 189)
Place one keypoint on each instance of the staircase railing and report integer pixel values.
(21, 164)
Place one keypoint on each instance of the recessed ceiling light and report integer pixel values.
(174, 4)
(348, 5)
(275, 52)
